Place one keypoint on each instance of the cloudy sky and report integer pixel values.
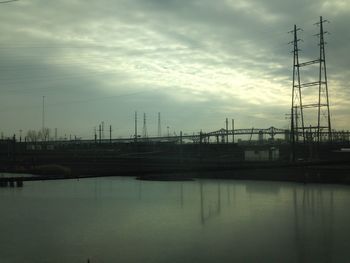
(195, 61)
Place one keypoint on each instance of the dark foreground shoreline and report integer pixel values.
(302, 172)
(312, 163)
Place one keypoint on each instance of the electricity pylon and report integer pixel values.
(319, 129)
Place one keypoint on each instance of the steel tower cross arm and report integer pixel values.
(309, 63)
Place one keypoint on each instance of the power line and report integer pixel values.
(8, 1)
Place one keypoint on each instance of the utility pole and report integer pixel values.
(110, 134)
(103, 130)
(99, 130)
(144, 129)
(135, 126)
(159, 126)
(95, 135)
(43, 117)
(233, 131)
(227, 130)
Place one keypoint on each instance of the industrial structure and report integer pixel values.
(310, 115)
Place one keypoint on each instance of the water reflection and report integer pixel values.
(313, 209)
(209, 210)
(198, 221)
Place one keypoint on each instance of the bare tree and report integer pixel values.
(32, 136)
(44, 134)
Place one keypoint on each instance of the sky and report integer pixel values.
(195, 61)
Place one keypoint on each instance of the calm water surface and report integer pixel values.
(125, 220)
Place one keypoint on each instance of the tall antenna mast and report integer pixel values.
(159, 126)
(135, 126)
(144, 129)
(103, 130)
(43, 116)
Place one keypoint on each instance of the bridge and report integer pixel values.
(219, 136)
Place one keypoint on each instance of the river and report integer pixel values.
(120, 219)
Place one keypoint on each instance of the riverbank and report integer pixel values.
(181, 162)
(303, 172)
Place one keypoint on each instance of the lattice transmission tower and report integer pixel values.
(297, 116)
(310, 114)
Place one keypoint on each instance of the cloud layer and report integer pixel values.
(197, 62)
